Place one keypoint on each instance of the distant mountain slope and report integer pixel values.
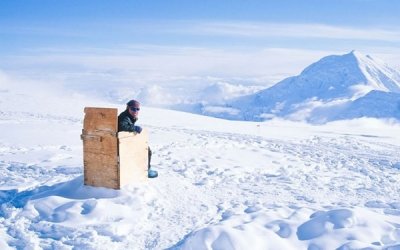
(377, 104)
(335, 82)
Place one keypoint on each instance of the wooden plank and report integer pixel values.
(133, 157)
(100, 143)
(100, 119)
(101, 162)
(101, 171)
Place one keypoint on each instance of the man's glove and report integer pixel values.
(137, 129)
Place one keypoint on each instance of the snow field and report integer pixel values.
(222, 184)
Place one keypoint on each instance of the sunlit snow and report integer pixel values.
(222, 184)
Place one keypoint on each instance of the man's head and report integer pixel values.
(133, 107)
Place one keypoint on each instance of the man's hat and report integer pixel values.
(133, 103)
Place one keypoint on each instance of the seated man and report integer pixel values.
(126, 122)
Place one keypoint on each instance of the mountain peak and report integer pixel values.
(332, 80)
(347, 61)
(353, 68)
(355, 53)
(360, 57)
(336, 70)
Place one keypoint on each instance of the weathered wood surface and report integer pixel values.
(100, 147)
(101, 119)
(100, 159)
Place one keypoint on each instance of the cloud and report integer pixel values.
(289, 30)
(142, 64)
(186, 30)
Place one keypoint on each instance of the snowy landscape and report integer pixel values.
(223, 184)
(273, 124)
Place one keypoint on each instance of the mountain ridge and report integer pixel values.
(332, 83)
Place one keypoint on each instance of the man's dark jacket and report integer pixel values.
(126, 122)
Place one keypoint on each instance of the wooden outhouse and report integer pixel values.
(112, 159)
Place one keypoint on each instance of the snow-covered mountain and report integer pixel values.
(377, 104)
(326, 90)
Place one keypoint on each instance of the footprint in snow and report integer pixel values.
(88, 206)
(252, 209)
(280, 227)
(179, 168)
(377, 204)
(226, 215)
(65, 147)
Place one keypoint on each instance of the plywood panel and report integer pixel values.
(133, 157)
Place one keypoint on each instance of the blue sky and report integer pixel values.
(167, 40)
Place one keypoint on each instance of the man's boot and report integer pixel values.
(152, 173)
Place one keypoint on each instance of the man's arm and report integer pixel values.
(126, 124)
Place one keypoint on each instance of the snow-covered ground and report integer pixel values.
(222, 184)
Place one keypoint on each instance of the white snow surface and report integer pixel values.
(222, 184)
